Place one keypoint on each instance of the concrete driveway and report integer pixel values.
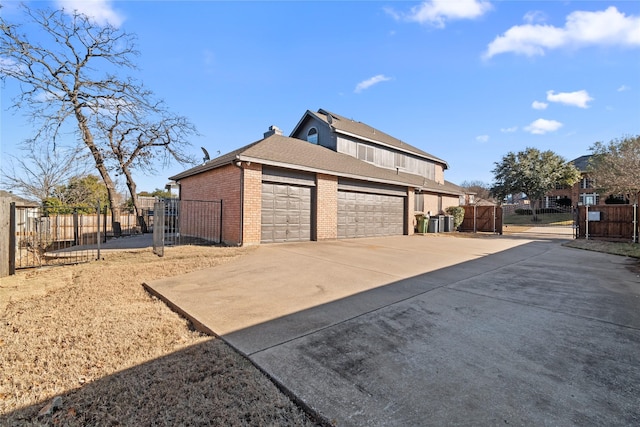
(432, 330)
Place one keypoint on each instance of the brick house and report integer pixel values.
(581, 193)
(332, 178)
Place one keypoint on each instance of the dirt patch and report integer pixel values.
(90, 334)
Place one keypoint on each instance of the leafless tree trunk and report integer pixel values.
(67, 77)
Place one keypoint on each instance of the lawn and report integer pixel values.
(114, 355)
(615, 248)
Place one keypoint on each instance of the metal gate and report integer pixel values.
(186, 222)
(40, 238)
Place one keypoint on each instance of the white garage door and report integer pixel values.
(286, 213)
(368, 215)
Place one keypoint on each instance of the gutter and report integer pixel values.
(238, 164)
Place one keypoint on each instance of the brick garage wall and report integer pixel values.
(411, 217)
(252, 213)
(326, 207)
(219, 184)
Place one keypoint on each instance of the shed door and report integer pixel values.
(368, 215)
(286, 213)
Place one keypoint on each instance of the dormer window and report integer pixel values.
(312, 136)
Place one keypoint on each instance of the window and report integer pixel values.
(587, 183)
(589, 199)
(418, 202)
(365, 153)
(312, 136)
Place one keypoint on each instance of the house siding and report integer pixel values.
(218, 184)
(386, 158)
(326, 203)
(325, 136)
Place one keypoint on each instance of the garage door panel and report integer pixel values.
(286, 213)
(367, 215)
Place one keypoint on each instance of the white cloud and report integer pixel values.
(100, 11)
(509, 130)
(437, 12)
(538, 105)
(370, 82)
(579, 98)
(542, 126)
(482, 138)
(623, 88)
(608, 27)
(534, 16)
(10, 66)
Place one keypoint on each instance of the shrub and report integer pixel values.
(458, 215)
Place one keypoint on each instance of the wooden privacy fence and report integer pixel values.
(486, 219)
(65, 227)
(609, 222)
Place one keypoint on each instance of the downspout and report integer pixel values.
(238, 163)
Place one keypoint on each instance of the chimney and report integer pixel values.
(273, 130)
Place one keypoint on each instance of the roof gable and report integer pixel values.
(582, 162)
(365, 132)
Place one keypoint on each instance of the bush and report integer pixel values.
(539, 211)
(458, 215)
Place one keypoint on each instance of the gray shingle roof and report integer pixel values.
(581, 163)
(349, 126)
(293, 153)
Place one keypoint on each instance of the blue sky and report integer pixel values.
(465, 80)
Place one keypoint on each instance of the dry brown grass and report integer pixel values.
(117, 356)
(615, 248)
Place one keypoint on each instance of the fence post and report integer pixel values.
(98, 232)
(12, 238)
(475, 215)
(75, 228)
(635, 223)
(586, 221)
(220, 232)
(494, 218)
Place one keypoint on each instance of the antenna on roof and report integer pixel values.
(206, 155)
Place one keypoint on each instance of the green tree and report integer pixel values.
(70, 72)
(532, 172)
(615, 167)
(81, 193)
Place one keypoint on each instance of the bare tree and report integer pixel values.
(41, 169)
(136, 137)
(66, 66)
(615, 167)
(481, 189)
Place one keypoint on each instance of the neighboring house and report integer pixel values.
(332, 178)
(581, 193)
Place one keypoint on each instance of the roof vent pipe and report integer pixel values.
(273, 130)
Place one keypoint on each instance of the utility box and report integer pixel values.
(448, 223)
(422, 223)
(433, 225)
